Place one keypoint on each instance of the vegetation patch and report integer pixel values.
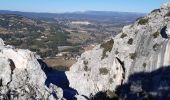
(133, 55)
(105, 95)
(156, 34)
(123, 35)
(143, 21)
(130, 41)
(112, 94)
(74, 49)
(85, 65)
(86, 68)
(107, 47)
(103, 71)
(155, 47)
(33, 34)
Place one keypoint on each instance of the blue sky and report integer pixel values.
(80, 5)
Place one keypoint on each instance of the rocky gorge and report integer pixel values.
(133, 65)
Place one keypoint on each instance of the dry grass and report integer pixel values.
(78, 37)
(60, 63)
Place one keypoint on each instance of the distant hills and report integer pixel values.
(90, 15)
(44, 32)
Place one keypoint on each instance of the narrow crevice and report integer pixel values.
(124, 70)
(58, 78)
(1, 83)
(12, 66)
(8, 95)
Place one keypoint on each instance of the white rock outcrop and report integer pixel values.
(91, 74)
(1, 42)
(141, 47)
(165, 5)
(21, 76)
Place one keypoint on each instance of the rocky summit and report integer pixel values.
(134, 65)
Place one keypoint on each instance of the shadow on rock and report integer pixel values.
(104, 96)
(163, 32)
(59, 79)
(147, 86)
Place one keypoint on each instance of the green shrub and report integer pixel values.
(85, 65)
(155, 46)
(112, 94)
(156, 34)
(123, 35)
(143, 21)
(86, 68)
(103, 71)
(105, 95)
(107, 47)
(133, 55)
(16, 42)
(130, 41)
(4, 23)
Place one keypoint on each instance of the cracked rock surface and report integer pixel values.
(22, 78)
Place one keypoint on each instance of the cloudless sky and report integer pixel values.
(54, 6)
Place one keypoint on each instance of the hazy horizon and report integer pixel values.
(64, 6)
(73, 11)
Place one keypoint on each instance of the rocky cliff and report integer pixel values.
(141, 47)
(135, 64)
(21, 76)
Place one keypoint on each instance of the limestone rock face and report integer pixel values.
(91, 74)
(21, 76)
(141, 47)
(165, 5)
(1, 42)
